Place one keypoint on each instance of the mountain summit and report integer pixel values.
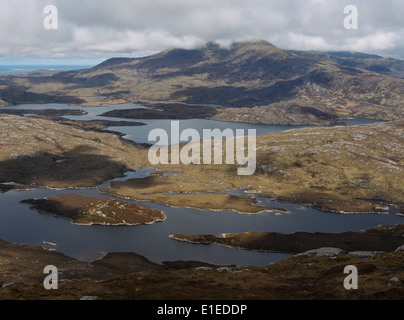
(254, 80)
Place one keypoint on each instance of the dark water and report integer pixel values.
(140, 134)
(21, 225)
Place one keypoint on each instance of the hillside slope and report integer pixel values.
(255, 81)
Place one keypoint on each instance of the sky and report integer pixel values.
(90, 31)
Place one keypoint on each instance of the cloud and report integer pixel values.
(305, 42)
(378, 41)
(106, 28)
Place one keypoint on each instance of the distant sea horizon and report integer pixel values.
(20, 69)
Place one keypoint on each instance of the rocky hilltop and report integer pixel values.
(254, 81)
(40, 152)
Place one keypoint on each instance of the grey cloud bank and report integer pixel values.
(95, 29)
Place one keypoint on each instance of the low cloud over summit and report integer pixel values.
(98, 29)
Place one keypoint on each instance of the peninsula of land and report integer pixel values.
(85, 210)
(382, 238)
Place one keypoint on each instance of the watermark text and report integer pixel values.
(209, 150)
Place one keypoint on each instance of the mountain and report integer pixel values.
(254, 81)
(386, 66)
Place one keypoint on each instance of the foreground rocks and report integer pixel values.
(127, 276)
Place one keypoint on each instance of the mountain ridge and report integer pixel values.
(255, 80)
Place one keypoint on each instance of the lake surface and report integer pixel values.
(20, 224)
(140, 133)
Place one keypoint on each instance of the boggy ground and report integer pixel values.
(137, 189)
(127, 276)
(338, 169)
(335, 168)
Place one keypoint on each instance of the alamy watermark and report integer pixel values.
(51, 20)
(351, 21)
(351, 281)
(51, 281)
(198, 151)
